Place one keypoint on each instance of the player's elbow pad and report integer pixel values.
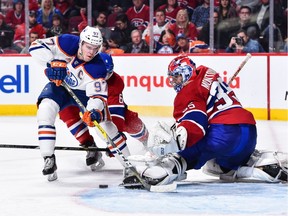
(95, 103)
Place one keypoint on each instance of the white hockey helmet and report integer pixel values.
(91, 35)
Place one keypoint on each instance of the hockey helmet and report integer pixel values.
(93, 36)
(182, 66)
(108, 63)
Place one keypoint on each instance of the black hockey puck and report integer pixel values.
(103, 186)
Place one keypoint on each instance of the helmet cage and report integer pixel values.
(184, 70)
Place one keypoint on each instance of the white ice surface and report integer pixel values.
(25, 192)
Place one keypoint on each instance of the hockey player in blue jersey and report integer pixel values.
(77, 61)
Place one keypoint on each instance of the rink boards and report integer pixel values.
(261, 85)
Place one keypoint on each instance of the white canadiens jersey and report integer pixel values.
(86, 76)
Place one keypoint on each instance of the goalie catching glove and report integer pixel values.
(56, 71)
(167, 139)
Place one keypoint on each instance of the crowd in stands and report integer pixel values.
(240, 26)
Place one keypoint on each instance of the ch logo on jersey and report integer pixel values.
(71, 80)
(137, 22)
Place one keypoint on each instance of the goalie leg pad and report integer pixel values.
(171, 167)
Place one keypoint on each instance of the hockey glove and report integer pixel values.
(93, 115)
(56, 71)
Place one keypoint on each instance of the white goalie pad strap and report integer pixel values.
(261, 158)
(252, 173)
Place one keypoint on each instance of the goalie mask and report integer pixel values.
(108, 63)
(180, 71)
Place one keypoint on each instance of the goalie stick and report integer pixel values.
(248, 56)
(128, 164)
(56, 147)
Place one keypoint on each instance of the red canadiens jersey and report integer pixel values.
(139, 19)
(115, 85)
(207, 100)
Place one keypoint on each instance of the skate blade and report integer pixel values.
(97, 166)
(52, 177)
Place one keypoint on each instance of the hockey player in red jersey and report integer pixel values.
(211, 128)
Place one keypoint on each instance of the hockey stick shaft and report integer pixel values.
(248, 56)
(108, 140)
(69, 148)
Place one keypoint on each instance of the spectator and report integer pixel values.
(158, 27)
(138, 15)
(166, 43)
(171, 9)
(34, 26)
(6, 34)
(182, 44)
(46, 12)
(16, 15)
(33, 5)
(19, 37)
(122, 6)
(99, 6)
(115, 44)
(32, 37)
(226, 10)
(230, 27)
(57, 27)
(261, 17)
(123, 26)
(190, 5)
(64, 6)
(219, 38)
(101, 22)
(116, 7)
(138, 45)
(77, 6)
(243, 44)
(253, 4)
(200, 15)
(184, 26)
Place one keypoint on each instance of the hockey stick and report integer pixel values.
(128, 164)
(56, 147)
(248, 56)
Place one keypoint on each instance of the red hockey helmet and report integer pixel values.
(180, 71)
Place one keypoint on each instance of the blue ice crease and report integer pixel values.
(201, 198)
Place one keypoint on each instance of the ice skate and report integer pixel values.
(50, 168)
(94, 159)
